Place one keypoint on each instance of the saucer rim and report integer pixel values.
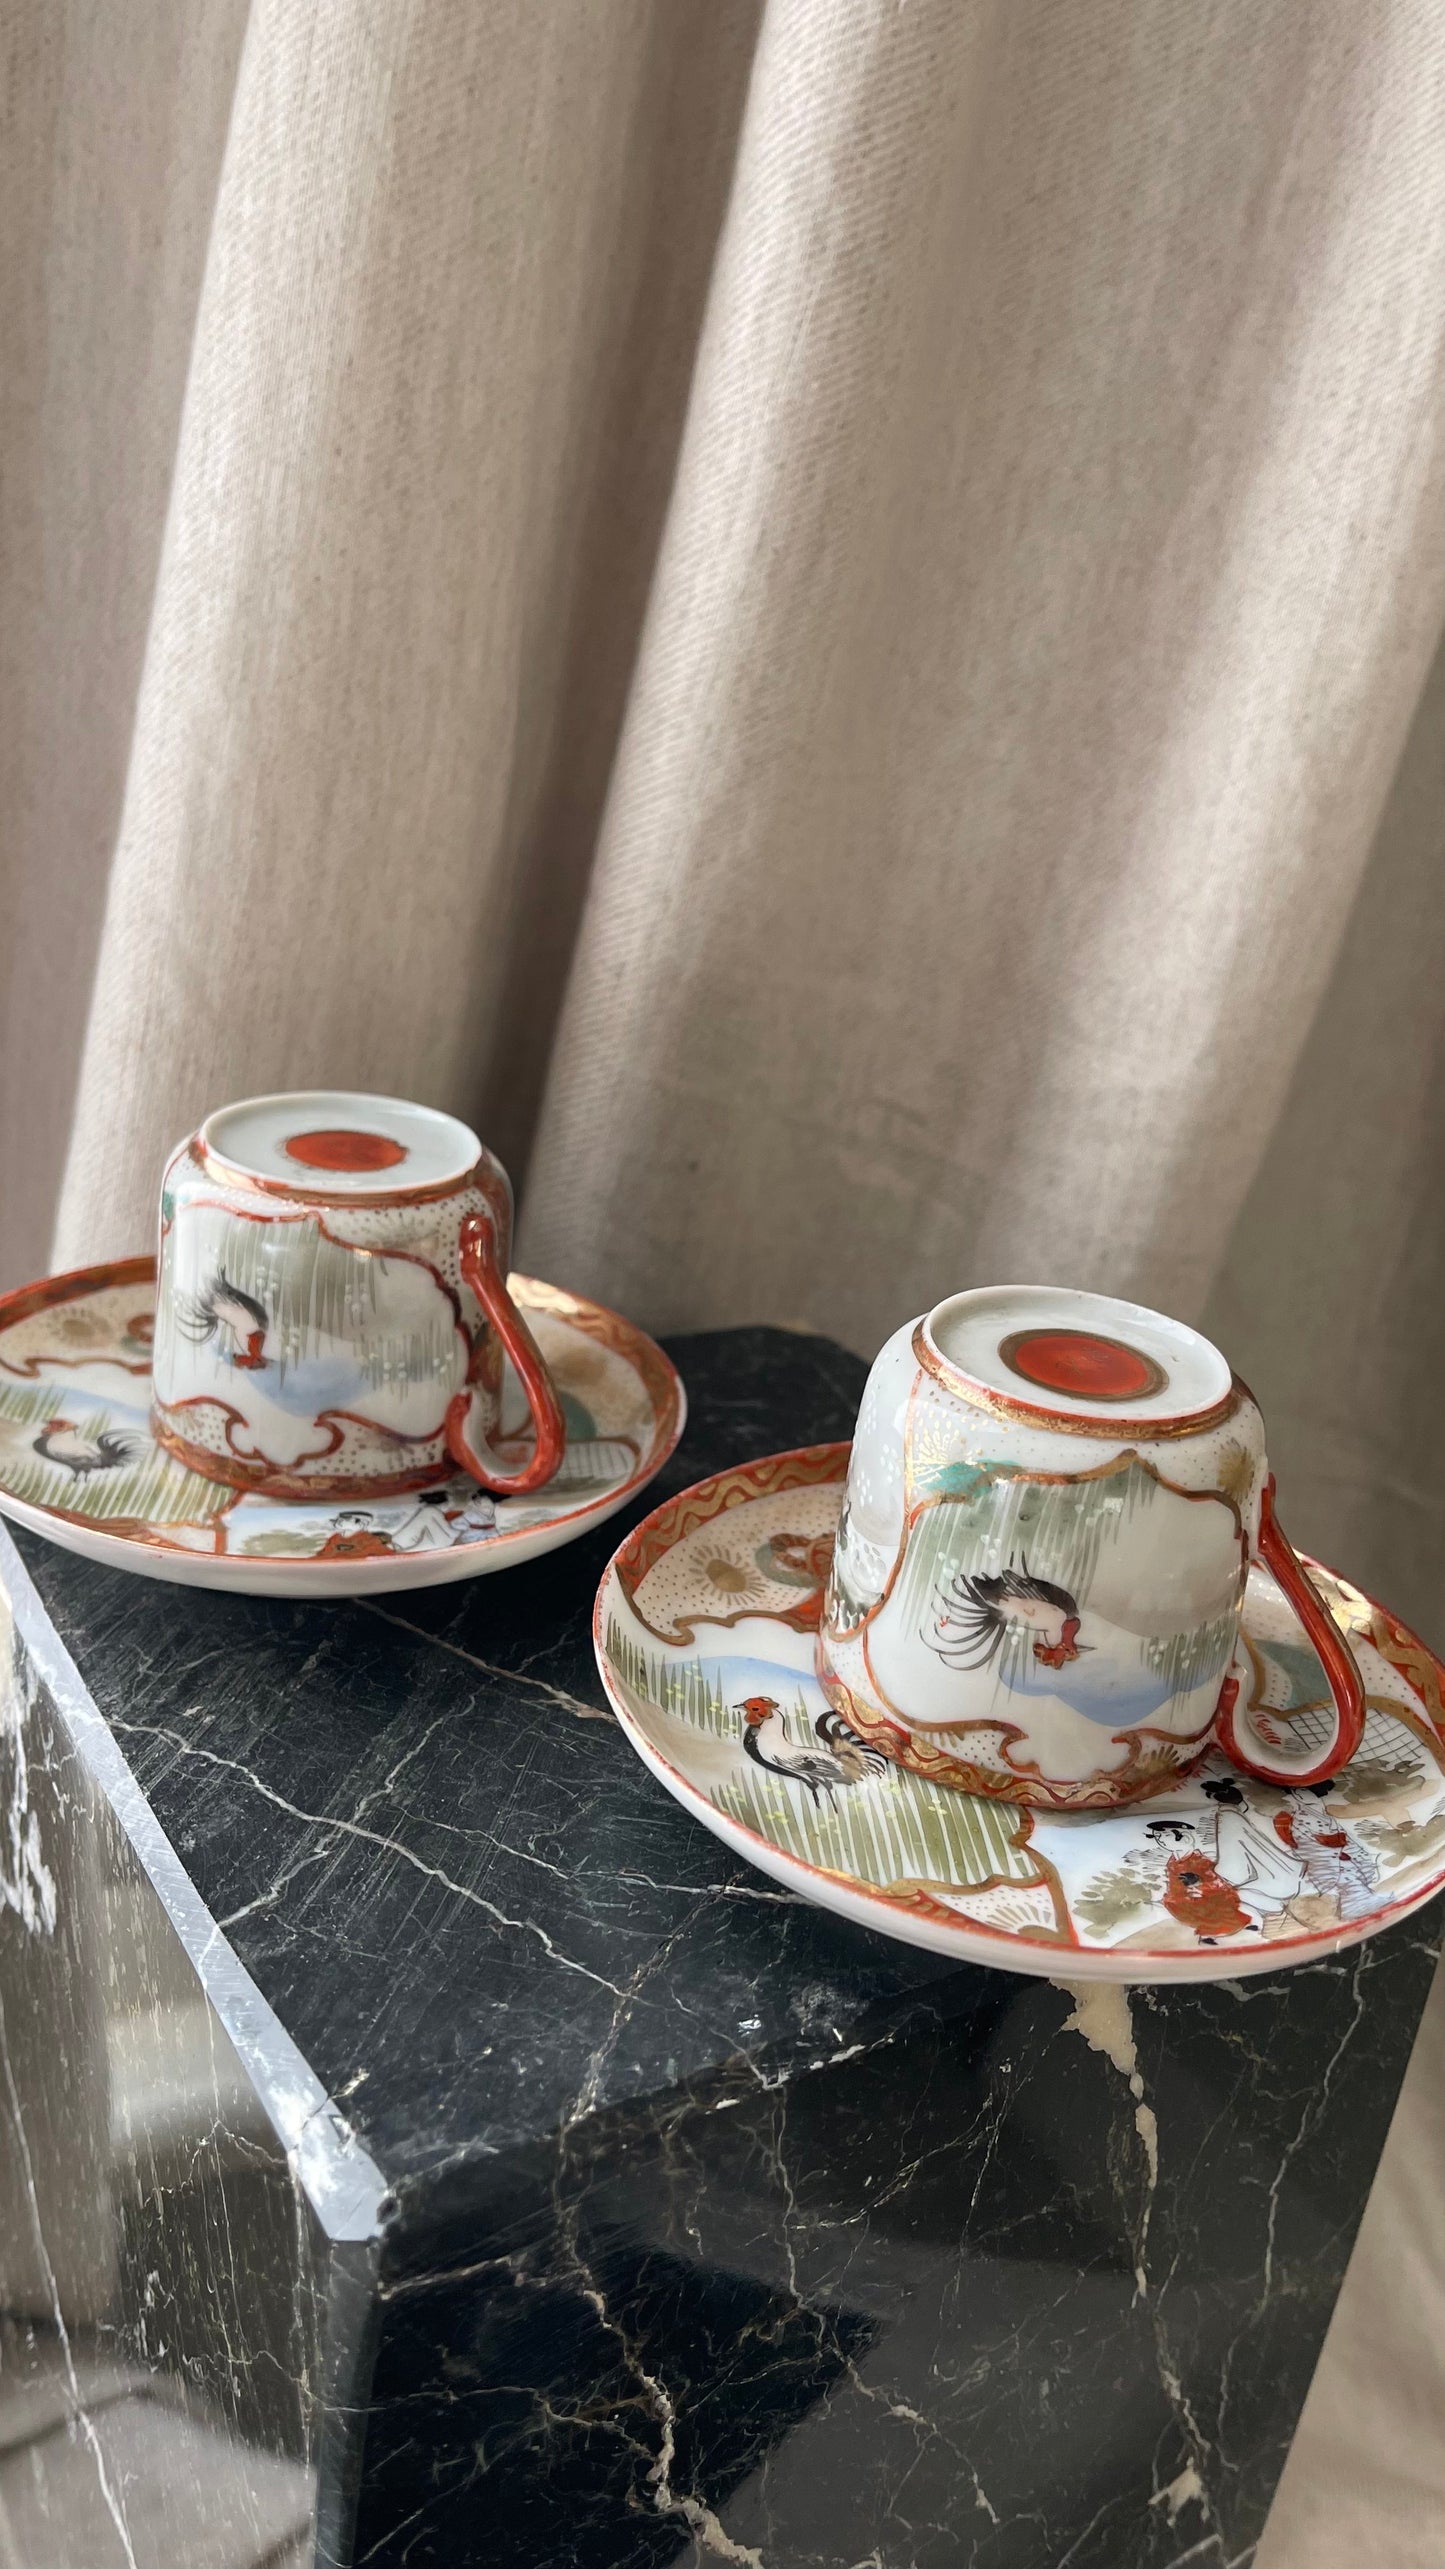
(972, 1940)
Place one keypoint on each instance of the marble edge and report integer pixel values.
(344, 2187)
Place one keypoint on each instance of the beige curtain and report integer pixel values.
(818, 612)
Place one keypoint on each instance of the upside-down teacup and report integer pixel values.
(1053, 1503)
(331, 1306)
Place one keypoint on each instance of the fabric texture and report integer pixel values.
(819, 613)
(809, 613)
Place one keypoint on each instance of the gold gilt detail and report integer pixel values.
(1024, 1413)
(1235, 1473)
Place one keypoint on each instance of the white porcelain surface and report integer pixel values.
(251, 1136)
(1046, 1588)
(313, 1324)
(79, 1464)
(704, 1630)
(969, 1328)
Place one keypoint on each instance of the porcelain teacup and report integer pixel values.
(331, 1306)
(1053, 1503)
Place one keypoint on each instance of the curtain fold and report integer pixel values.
(440, 353)
(1052, 571)
(811, 613)
(824, 615)
(110, 156)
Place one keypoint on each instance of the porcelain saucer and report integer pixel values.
(704, 1628)
(78, 1462)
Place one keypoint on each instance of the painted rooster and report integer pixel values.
(81, 1452)
(236, 1319)
(853, 1754)
(974, 1613)
(842, 1759)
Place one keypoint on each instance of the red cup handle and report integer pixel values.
(478, 1247)
(1236, 1736)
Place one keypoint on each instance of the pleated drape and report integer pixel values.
(813, 612)
(822, 614)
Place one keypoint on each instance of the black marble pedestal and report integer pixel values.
(400, 2092)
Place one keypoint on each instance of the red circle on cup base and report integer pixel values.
(1081, 1365)
(344, 1150)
